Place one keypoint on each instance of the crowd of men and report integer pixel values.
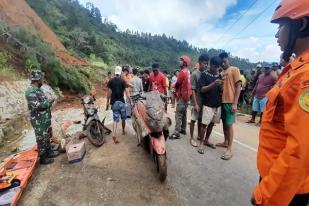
(212, 90)
(215, 90)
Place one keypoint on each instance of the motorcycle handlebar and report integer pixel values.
(137, 97)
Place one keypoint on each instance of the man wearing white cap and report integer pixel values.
(117, 88)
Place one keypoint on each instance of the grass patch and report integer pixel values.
(245, 109)
(40, 55)
(7, 70)
(99, 64)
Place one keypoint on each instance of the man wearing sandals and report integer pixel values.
(230, 96)
(183, 94)
(196, 112)
(265, 82)
(117, 87)
(210, 87)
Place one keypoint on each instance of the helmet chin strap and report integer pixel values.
(294, 34)
(288, 51)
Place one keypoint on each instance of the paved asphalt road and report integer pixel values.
(193, 179)
(208, 180)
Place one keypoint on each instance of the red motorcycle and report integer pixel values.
(151, 127)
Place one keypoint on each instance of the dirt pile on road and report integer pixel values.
(19, 13)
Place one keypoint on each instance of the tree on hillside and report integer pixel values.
(94, 13)
(82, 30)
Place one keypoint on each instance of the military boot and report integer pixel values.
(45, 160)
(52, 154)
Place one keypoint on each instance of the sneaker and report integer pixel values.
(46, 160)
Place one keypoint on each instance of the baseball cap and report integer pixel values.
(275, 64)
(118, 70)
(155, 67)
(267, 66)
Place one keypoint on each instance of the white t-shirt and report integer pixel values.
(174, 80)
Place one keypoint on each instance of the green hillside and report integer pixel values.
(83, 33)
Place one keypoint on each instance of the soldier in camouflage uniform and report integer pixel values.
(40, 112)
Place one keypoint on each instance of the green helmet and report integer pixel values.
(36, 75)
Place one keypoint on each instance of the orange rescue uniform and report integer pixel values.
(283, 153)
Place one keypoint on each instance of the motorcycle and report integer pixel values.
(151, 127)
(95, 129)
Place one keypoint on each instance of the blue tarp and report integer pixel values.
(6, 196)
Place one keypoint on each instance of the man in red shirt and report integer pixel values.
(157, 80)
(183, 94)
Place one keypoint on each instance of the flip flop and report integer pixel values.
(226, 156)
(201, 149)
(193, 142)
(212, 146)
(115, 140)
(221, 145)
(250, 122)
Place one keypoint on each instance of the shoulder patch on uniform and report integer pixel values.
(304, 101)
(305, 84)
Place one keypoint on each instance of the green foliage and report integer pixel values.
(93, 74)
(31, 62)
(65, 78)
(82, 31)
(39, 55)
(6, 69)
(97, 62)
(4, 57)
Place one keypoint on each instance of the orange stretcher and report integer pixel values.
(15, 173)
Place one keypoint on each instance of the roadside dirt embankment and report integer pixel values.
(14, 118)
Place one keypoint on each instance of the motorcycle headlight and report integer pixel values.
(92, 111)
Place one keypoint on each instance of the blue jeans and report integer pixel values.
(119, 111)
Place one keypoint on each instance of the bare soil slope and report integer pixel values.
(19, 13)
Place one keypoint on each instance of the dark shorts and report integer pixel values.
(227, 115)
(119, 111)
(300, 200)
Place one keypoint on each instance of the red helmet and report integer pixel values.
(186, 60)
(291, 9)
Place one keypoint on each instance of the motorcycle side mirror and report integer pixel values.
(163, 97)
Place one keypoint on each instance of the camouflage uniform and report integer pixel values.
(40, 112)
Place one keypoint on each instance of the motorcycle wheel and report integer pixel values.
(162, 167)
(95, 131)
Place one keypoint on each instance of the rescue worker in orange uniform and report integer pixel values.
(283, 153)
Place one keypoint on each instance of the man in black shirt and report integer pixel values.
(145, 80)
(117, 88)
(210, 87)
